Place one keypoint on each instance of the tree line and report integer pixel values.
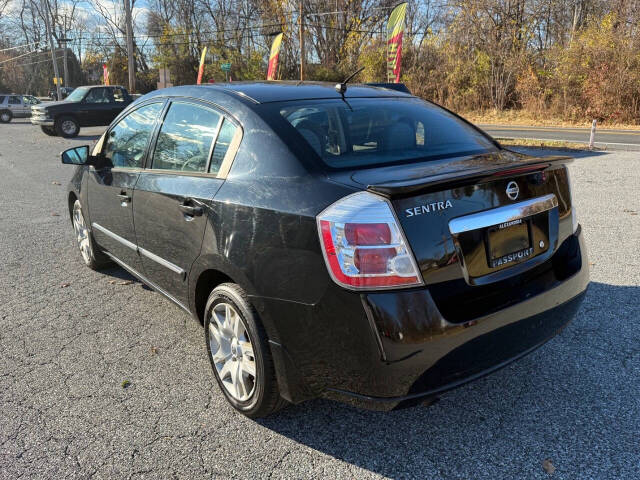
(571, 59)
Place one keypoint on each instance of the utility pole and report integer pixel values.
(301, 33)
(63, 44)
(45, 12)
(130, 57)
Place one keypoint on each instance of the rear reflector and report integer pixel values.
(363, 244)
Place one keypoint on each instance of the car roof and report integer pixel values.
(282, 91)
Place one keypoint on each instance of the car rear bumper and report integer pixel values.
(397, 347)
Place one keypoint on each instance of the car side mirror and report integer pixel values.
(76, 156)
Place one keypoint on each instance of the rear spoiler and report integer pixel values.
(399, 87)
(463, 176)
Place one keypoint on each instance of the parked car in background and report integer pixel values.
(90, 106)
(16, 106)
(65, 92)
(354, 243)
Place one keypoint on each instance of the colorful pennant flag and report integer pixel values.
(273, 57)
(201, 67)
(395, 29)
(105, 74)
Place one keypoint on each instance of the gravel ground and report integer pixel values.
(70, 337)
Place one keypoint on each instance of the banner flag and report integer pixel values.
(105, 74)
(395, 29)
(201, 67)
(273, 57)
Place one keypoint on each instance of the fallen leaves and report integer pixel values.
(126, 384)
(548, 466)
(56, 183)
(64, 285)
(55, 214)
(120, 282)
(154, 350)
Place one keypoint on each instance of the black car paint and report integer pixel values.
(86, 114)
(258, 229)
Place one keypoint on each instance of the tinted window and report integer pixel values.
(227, 131)
(14, 100)
(365, 132)
(127, 141)
(98, 95)
(118, 95)
(185, 139)
(2, 97)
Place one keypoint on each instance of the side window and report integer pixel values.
(227, 131)
(126, 142)
(98, 95)
(2, 97)
(118, 95)
(14, 100)
(185, 138)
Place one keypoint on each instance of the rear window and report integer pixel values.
(365, 132)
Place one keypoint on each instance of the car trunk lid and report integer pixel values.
(482, 217)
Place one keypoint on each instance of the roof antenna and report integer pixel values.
(341, 88)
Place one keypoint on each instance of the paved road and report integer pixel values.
(606, 138)
(65, 352)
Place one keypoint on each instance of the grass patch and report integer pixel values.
(520, 117)
(551, 144)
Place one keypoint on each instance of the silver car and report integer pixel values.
(16, 106)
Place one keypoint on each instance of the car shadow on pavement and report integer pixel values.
(121, 275)
(557, 402)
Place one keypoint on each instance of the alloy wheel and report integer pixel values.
(5, 117)
(82, 233)
(232, 352)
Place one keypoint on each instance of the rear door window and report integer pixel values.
(186, 138)
(14, 101)
(2, 97)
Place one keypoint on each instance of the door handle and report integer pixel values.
(190, 210)
(124, 197)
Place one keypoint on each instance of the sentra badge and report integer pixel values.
(428, 208)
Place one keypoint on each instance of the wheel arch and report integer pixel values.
(207, 280)
(71, 199)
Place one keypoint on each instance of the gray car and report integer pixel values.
(16, 106)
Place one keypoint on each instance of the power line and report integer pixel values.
(21, 46)
(25, 64)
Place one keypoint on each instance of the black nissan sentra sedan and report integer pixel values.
(362, 245)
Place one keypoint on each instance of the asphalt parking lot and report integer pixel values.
(71, 339)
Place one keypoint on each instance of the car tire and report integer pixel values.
(67, 127)
(89, 251)
(48, 131)
(5, 116)
(240, 346)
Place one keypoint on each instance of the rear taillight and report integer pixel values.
(574, 216)
(364, 246)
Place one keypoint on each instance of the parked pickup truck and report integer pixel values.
(90, 106)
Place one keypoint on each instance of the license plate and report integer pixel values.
(509, 242)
